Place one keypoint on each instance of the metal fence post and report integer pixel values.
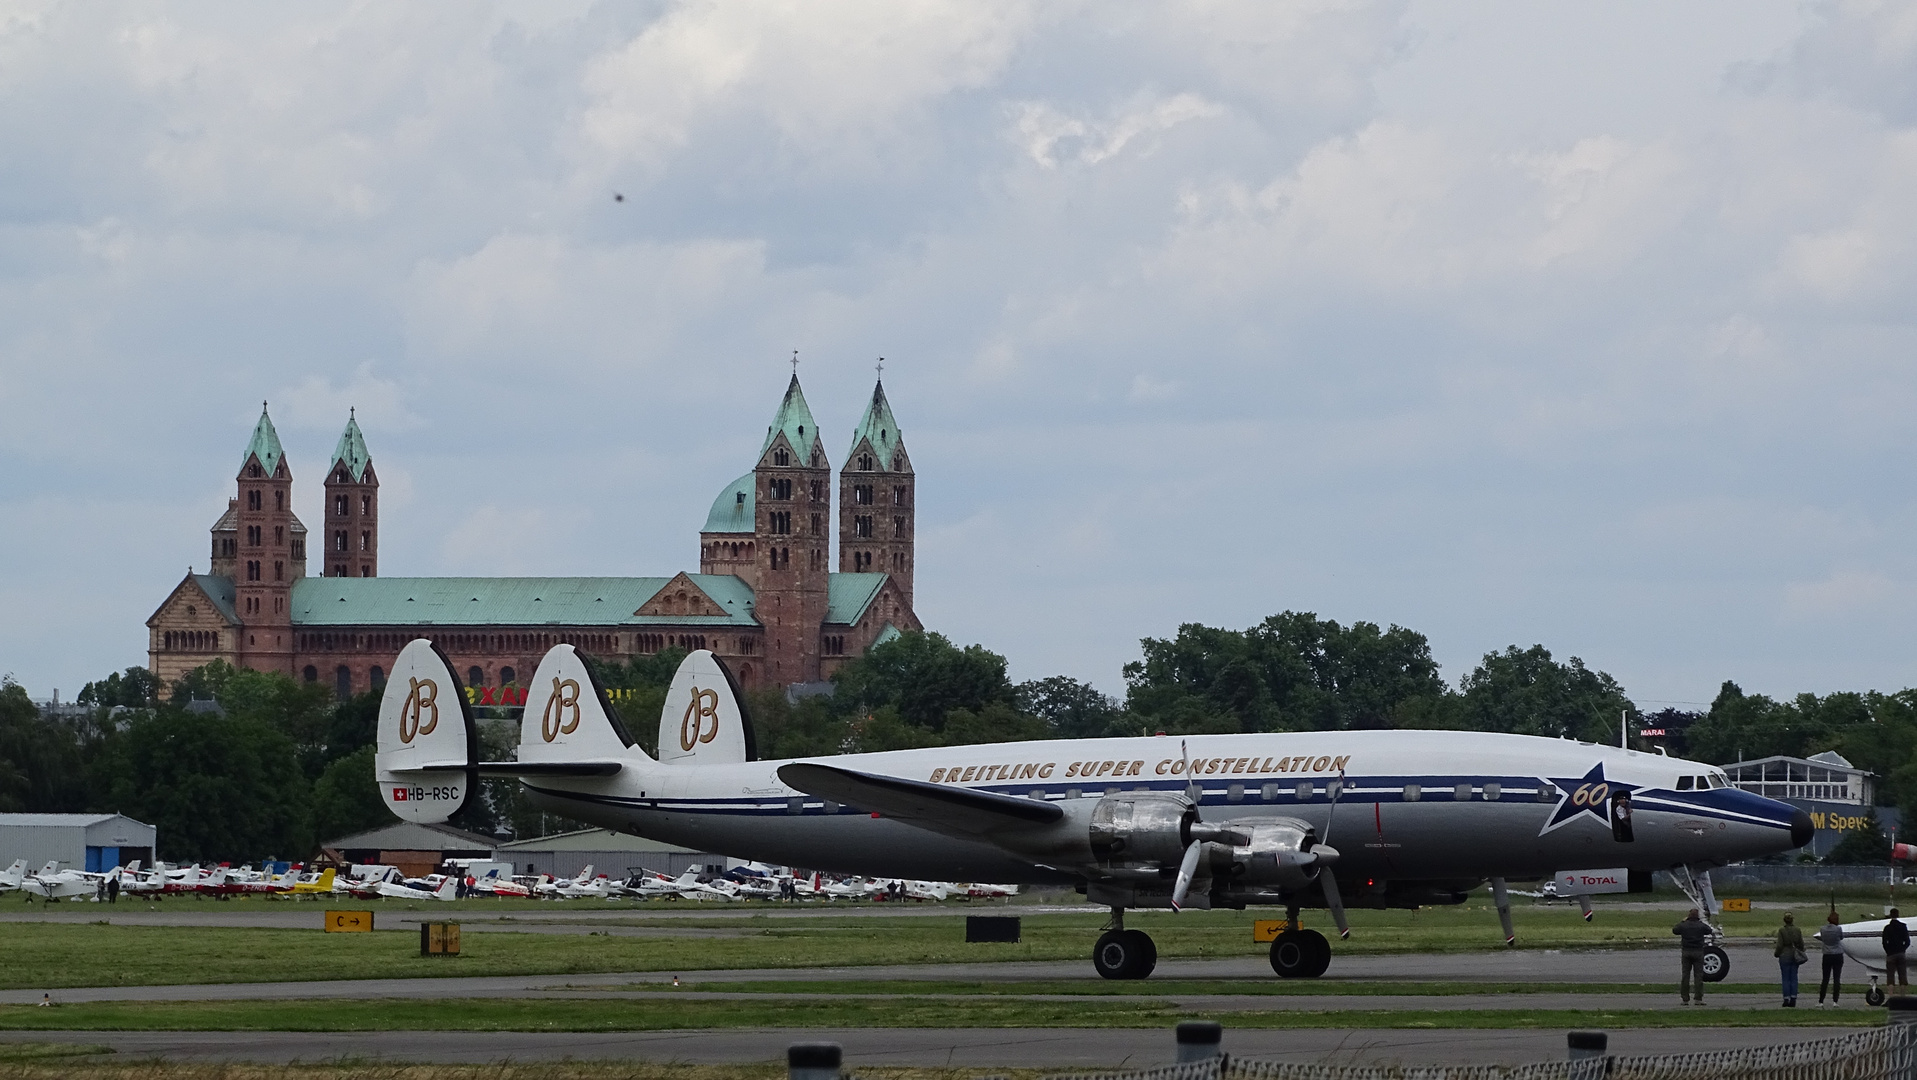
(1586, 1044)
(1901, 1011)
(813, 1061)
(1199, 1040)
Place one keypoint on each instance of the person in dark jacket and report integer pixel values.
(1896, 944)
(1790, 955)
(1692, 935)
(1831, 937)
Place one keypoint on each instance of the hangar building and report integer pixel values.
(90, 842)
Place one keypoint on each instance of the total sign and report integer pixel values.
(1591, 882)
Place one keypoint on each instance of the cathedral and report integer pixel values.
(766, 598)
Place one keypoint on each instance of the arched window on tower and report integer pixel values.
(506, 676)
(865, 462)
(780, 457)
(378, 676)
(365, 504)
(343, 682)
(475, 677)
(311, 673)
(339, 506)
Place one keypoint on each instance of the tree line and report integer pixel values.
(283, 766)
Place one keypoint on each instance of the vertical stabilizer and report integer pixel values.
(568, 717)
(704, 721)
(425, 765)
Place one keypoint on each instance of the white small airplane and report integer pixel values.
(12, 877)
(980, 891)
(491, 884)
(446, 889)
(53, 883)
(555, 888)
(1423, 817)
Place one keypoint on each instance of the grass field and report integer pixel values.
(498, 1014)
(62, 954)
(48, 1061)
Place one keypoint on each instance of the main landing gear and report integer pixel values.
(1122, 953)
(1300, 954)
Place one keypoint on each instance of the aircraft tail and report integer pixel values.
(425, 764)
(584, 875)
(704, 721)
(568, 717)
(448, 889)
(15, 874)
(49, 869)
(325, 882)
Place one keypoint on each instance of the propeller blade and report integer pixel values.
(1187, 869)
(1192, 790)
(1335, 902)
(1337, 792)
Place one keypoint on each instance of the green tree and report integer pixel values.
(1292, 672)
(1527, 692)
(1071, 709)
(42, 760)
(346, 797)
(216, 787)
(923, 676)
(136, 688)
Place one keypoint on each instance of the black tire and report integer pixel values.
(1118, 955)
(1147, 953)
(1317, 953)
(1292, 954)
(1716, 965)
(1875, 996)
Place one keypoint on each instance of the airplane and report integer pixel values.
(53, 883)
(446, 890)
(491, 884)
(979, 891)
(322, 884)
(13, 875)
(1419, 817)
(554, 887)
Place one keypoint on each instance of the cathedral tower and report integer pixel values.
(269, 553)
(352, 509)
(876, 498)
(792, 488)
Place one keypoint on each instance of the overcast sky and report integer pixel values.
(1585, 325)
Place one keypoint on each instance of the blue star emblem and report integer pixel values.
(1588, 794)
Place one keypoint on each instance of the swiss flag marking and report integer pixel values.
(399, 794)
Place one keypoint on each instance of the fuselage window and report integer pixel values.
(1268, 792)
(1413, 792)
(1072, 793)
(1304, 790)
(1235, 793)
(1036, 793)
(1684, 782)
(1547, 793)
(1463, 793)
(1492, 789)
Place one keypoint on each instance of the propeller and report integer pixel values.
(1188, 865)
(1328, 855)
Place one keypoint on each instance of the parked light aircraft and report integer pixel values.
(53, 883)
(13, 876)
(322, 883)
(1419, 817)
(406, 890)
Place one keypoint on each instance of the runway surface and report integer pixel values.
(993, 1048)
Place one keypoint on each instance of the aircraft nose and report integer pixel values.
(1801, 828)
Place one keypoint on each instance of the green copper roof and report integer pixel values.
(265, 444)
(795, 419)
(848, 595)
(880, 427)
(452, 601)
(220, 591)
(732, 511)
(351, 451)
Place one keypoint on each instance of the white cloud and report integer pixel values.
(1045, 131)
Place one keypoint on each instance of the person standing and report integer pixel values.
(1831, 937)
(1896, 943)
(1790, 956)
(1692, 935)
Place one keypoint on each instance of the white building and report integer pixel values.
(90, 842)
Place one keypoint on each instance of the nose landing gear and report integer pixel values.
(1300, 954)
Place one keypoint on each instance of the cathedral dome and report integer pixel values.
(732, 511)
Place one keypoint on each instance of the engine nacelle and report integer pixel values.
(1276, 854)
(1141, 829)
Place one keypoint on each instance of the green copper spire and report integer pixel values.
(878, 426)
(795, 419)
(265, 444)
(351, 451)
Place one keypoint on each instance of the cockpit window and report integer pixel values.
(1684, 782)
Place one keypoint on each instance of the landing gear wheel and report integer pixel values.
(1124, 954)
(1716, 965)
(1300, 954)
(1875, 996)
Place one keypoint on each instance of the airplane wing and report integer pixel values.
(954, 811)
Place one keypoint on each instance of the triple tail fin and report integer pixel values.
(704, 721)
(425, 764)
